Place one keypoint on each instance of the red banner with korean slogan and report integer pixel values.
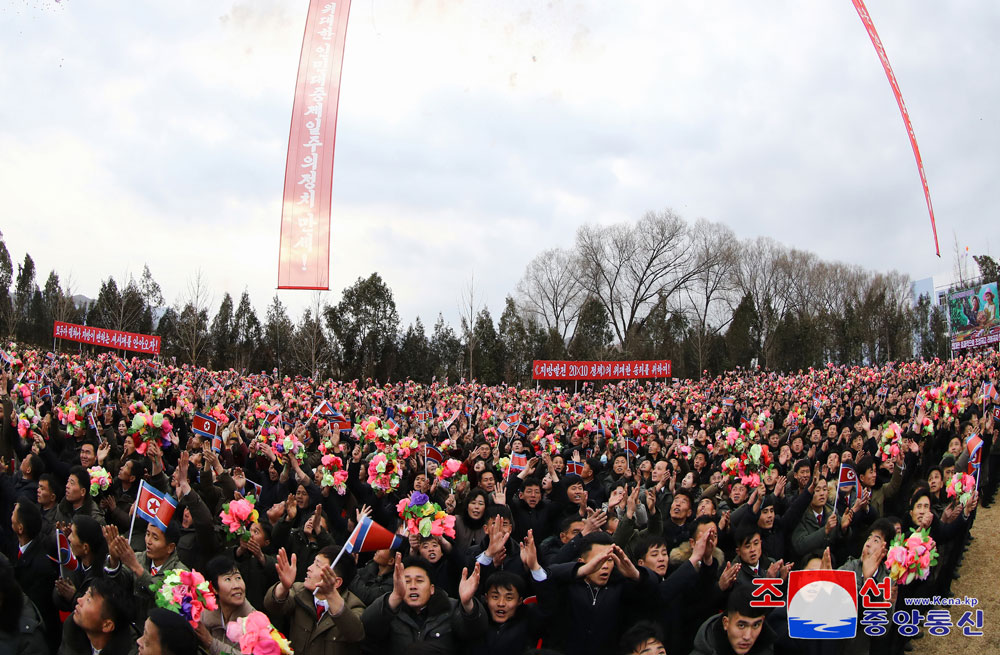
(553, 370)
(304, 255)
(141, 343)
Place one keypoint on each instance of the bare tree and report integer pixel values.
(963, 278)
(550, 291)
(192, 318)
(470, 304)
(710, 292)
(760, 275)
(311, 347)
(65, 306)
(630, 267)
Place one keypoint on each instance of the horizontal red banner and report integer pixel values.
(551, 370)
(142, 343)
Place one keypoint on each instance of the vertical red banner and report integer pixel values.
(866, 19)
(304, 256)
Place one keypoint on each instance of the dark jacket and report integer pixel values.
(443, 625)
(590, 618)
(65, 512)
(30, 636)
(712, 640)
(368, 585)
(331, 635)
(75, 641)
(36, 574)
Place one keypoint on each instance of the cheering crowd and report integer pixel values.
(162, 510)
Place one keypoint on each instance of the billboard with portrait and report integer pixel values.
(973, 316)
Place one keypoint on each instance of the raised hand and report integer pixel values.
(498, 538)
(500, 494)
(779, 486)
(594, 522)
(616, 497)
(291, 509)
(728, 576)
(317, 524)
(631, 502)
(286, 572)
(529, 554)
(594, 564)
(327, 590)
(467, 588)
(623, 563)
(65, 588)
(398, 584)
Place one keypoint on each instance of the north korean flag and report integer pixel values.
(90, 399)
(326, 410)
(849, 479)
(522, 429)
(154, 506)
(975, 447)
(370, 536)
(574, 468)
(632, 446)
(120, 367)
(518, 461)
(432, 454)
(206, 426)
(64, 554)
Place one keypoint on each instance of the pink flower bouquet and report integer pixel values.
(187, 593)
(890, 436)
(256, 636)
(100, 479)
(911, 558)
(961, 485)
(238, 516)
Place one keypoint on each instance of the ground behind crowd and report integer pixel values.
(980, 579)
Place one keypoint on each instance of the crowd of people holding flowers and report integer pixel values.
(166, 509)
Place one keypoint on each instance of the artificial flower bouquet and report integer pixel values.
(186, 593)
(424, 518)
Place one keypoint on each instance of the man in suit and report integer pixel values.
(818, 527)
(34, 571)
(752, 562)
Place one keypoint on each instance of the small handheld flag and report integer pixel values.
(631, 446)
(518, 462)
(120, 367)
(574, 468)
(975, 447)
(154, 506)
(64, 554)
(205, 426)
(370, 536)
(432, 454)
(849, 479)
(90, 399)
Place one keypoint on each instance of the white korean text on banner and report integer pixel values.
(304, 254)
(142, 343)
(558, 370)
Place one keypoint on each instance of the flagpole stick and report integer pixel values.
(344, 547)
(59, 555)
(339, 555)
(134, 509)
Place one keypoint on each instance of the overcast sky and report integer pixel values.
(473, 134)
